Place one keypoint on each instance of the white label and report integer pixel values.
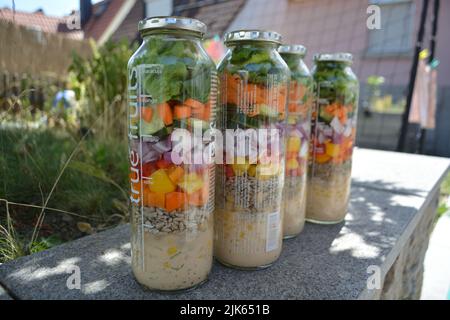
(273, 231)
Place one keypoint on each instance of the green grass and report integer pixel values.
(31, 160)
(445, 194)
(445, 187)
(91, 186)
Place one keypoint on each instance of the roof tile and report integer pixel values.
(38, 20)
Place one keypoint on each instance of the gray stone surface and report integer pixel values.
(399, 172)
(324, 262)
(404, 279)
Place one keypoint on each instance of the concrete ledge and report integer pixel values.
(4, 295)
(324, 262)
(436, 284)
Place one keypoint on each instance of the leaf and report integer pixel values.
(44, 244)
(85, 227)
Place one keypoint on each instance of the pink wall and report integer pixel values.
(340, 25)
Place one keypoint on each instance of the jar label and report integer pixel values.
(273, 231)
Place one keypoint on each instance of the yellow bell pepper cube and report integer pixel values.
(240, 167)
(332, 149)
(160, 182)
(191, 183)
(252, 170)
(267, 171)
(294, 144)
(292, 164)
(292, 119)
(322, 158)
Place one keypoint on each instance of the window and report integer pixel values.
(396, 34)
(158, 8)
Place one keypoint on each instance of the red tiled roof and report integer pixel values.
(128, 28)
(41, 21)
(101, 19)
(217, 14)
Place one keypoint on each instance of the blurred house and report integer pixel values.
(40, 22)
(36, 45)
(333, 26)
(116, 19)
(322, 26)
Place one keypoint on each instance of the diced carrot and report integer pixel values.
(175, 200)
(194, 104)
(282, 99)
(154, 199)
(198, 113)
(182, 112)
(293, 107)
(162, 164)
(175, 173)
(147, 113)
(165, 113)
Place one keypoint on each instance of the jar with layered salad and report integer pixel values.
(251, 117)
(333, 137)
(298, 133)
(172, 87)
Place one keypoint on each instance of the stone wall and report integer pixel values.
(404, 279)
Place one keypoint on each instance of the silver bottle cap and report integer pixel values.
(339, 56)
(174, 23)
(252, 35)
(293, 48)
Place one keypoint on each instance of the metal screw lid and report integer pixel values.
(252, 35)
(293, 48)
(172, 22)
(339, 56)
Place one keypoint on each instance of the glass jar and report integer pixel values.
(172, 88)
(298, 134)
(252, 111)
(333, 137)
